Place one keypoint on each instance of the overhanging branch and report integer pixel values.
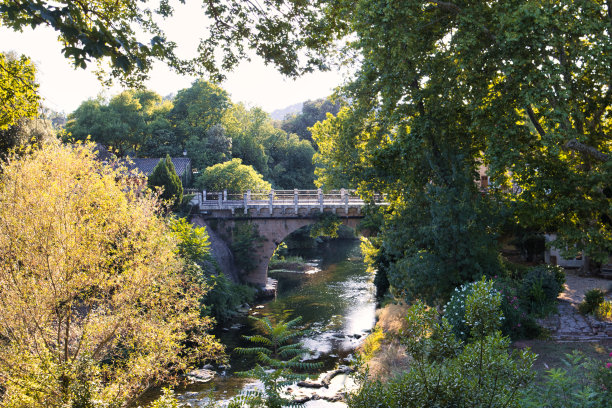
(586, 149)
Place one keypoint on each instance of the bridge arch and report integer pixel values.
(272, 231)
(276, 214)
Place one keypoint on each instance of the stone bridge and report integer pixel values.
(276, 214)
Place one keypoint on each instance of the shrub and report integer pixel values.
(584, 383)
(448, 373)
(592, 299)
(517, 322)
(541, 287)
(604, 310)
(225, 297)
(454, 311)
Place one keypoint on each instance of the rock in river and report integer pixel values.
(201, 375)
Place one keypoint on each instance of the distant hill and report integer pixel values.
(279, 114)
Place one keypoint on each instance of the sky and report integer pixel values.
(63, 87)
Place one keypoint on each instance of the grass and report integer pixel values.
(291, 263)
(382, 351)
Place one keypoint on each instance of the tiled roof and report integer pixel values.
(146, 166)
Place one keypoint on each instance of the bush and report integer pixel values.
(225, 297)
(517, 322)
(592, 299)
(584, 383)
(541, 287)
(454, 311)
(449, 373)
(604, 310)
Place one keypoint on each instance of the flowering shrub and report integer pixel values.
(455, 309)
(517, 322)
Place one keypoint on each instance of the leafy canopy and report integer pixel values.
(18, 90)
(127, 33)
(232, 176)
(96, 306)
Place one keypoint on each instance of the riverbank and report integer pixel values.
(384, 355)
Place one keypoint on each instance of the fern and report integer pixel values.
(278, 355)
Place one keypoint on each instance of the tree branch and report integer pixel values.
(586, 149)
(535, 121)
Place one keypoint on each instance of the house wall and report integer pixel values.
(553, 256)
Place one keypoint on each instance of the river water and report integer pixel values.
(336, 301)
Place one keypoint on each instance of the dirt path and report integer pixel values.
(568, 324)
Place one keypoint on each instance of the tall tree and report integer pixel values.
(95, 307)
(312, 112)
(197, 108)
(164, 176)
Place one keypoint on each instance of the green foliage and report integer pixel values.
(18, 89)
(131, 38)
(603, 311)
(326, 226)
(284, 160)
(592, 299)
(225, 297)
(222, 297)
(167, 400)
(518, 323)
(312, 112)
(244, 238)
(455, 311)
(232, 176)
(582, 383)
(164, 176)
(193, 241)
(278, 355)
(446, 372)
(540, 288)
(374, 256)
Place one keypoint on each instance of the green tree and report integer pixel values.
(18, 90)
(164, 176)
(232, 176)
(312, 112)
(197, 108)
(96, 307)
(131, 122)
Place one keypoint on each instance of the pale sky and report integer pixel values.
(64, 87)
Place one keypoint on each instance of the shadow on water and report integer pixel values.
(336, 304)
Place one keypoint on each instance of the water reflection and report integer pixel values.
(336, 303)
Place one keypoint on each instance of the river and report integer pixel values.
(336, 301)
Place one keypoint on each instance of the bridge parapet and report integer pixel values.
(286, 202)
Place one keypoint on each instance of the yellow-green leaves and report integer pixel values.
(18, 90)
(95, 306)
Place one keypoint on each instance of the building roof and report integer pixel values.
(146, 166)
